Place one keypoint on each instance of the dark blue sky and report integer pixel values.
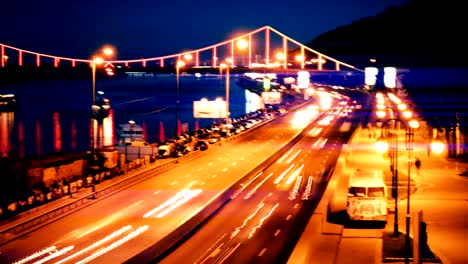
(151, 28)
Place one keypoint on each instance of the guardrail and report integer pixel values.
(10, 233)
(156, 251)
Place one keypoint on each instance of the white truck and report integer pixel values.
(367, 196)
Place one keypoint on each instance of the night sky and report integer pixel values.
(151, 28)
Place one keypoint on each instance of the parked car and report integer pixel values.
(201, 145)
(213, 138)
(165, 151)
(181, 150)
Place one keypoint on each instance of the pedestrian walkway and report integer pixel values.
(437, 190)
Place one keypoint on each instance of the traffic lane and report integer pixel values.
(276, 240)
(98, 214)
(94, 215)
(250, 207)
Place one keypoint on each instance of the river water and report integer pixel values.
(150, 101)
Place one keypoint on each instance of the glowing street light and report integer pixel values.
(381, 146)
(279, 56)
(188, 57)
(223, 65)
(97, 110)
(437, 146)
(407, 114)
(242, 44)
(179, 64)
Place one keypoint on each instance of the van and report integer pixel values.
(367, 196)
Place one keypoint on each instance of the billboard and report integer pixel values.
(209, 109)
(271, 97)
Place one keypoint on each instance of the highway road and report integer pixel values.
(115, 228)
(266, 218)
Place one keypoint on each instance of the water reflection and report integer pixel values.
(7, 120)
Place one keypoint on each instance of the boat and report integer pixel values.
(7, 102)
(130, 134)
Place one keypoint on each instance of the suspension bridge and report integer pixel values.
(264, 47)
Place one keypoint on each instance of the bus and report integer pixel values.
(367, 196)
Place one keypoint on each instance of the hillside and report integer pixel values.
(419, 33)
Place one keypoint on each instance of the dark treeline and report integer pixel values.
(418, 33)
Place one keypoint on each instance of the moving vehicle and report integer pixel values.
(367, 196)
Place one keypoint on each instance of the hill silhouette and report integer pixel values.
(419, 33)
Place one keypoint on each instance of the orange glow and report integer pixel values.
(98, 60)
(180, 63)
(381, 146)
(437, 147)
(242, 44)
(108, 51)
(299, 58)
(413, 124)
(279, 56)
(188, 57)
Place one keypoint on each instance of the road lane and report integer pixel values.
(262, 222)
(117, 226)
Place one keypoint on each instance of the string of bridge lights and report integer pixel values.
(242, 42)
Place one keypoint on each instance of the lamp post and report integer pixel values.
(96, 61)
(229, 60)
(393, 154)
(412, 124)
(179, 64)
(242, 44)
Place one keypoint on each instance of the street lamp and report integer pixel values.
(393, 154)
(242, 44)
(412, 124)
(229, 60)
(96, 61)
(179, 64)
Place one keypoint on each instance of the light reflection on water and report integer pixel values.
(147, 101)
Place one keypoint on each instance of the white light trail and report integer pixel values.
(295, 190)
(174, 198)
(279, 178)
(189, 196)
(294, 174)
(245, 186)
(98, 243)
(35, 255)
(284, 156)
(237, 230)
(319, 143)
(254, 229)
(54, 255)
(293, 156)
(306, 193)
(117, 243)
(249, 194)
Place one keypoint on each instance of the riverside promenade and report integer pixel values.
(438, 190)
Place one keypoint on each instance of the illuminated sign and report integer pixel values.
(390, 77)
(370, 75)
(209, 109)
(266, 84)
(271, 97)
(303, 79)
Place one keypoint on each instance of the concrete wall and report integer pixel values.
(57, 173)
